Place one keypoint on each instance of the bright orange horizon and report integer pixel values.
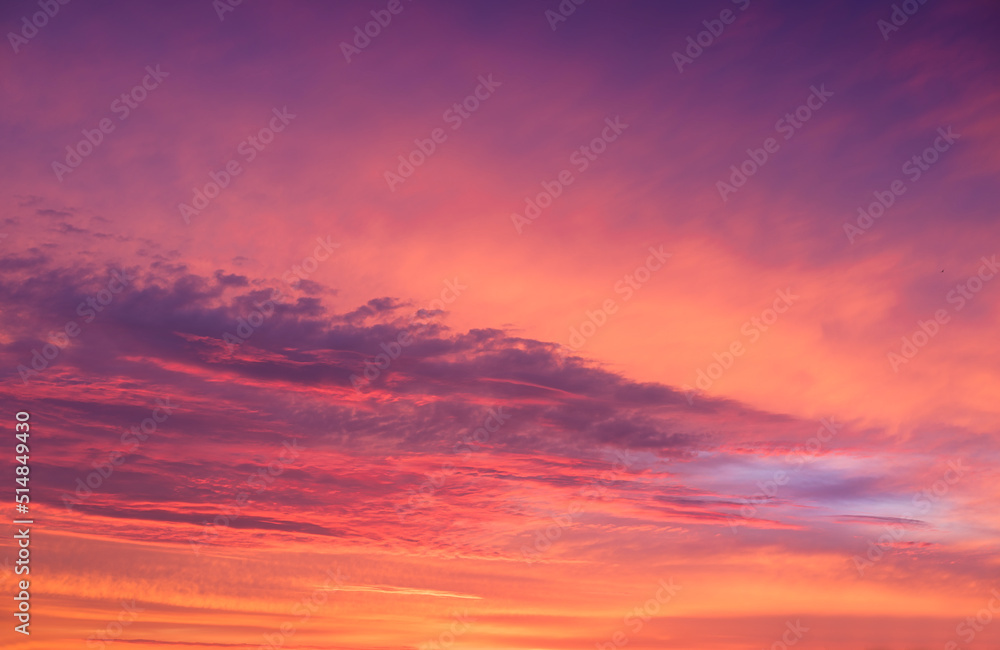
(520, 326)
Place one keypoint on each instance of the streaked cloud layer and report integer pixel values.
(384, 414)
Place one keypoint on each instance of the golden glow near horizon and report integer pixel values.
(567, 325)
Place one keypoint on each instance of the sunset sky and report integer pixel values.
(503, 325)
